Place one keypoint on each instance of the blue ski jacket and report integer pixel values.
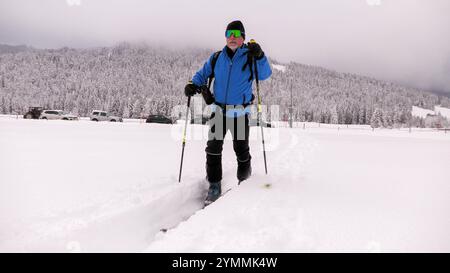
(231, 84)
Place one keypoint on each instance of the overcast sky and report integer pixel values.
(406, 41)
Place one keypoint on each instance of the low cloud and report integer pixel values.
(404, 41)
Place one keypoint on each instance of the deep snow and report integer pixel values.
(86, 186)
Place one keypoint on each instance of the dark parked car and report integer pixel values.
(158, 119)
(254, 122)
(33, 113)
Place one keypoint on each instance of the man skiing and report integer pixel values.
(233, 70)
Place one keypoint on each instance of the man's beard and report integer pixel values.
(233, 46)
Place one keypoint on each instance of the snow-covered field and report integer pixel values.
(85, 186)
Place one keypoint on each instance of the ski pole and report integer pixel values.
(184, 137)
(258, 116)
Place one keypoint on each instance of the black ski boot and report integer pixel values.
(214, 192)
(244, 170)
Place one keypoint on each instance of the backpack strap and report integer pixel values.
(249, 63)
(213, 65)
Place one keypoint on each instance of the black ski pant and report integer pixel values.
(219, 125)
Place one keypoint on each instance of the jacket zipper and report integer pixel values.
(228, 82)
(229, 75)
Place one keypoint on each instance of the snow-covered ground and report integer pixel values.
(87, 186)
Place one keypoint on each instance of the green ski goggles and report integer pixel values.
(236, 33)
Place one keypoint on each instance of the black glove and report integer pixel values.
(191, 89)
(254, 50)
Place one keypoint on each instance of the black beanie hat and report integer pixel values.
(237, 25)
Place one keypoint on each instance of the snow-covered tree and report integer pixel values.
(377, 118)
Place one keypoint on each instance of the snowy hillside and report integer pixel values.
(134, 80)
(420, 112)
(445, 112)
(6, 49)
(85, 186)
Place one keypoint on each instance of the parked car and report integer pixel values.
(158, 119)
(57, 114)
(99, 115)
(254, 122)
(33, 113)
(199, 120)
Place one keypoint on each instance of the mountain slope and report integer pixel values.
(137, 80)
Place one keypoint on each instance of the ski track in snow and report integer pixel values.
(253, 216)
(132, 217)
(123, 218)
(124, 223)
